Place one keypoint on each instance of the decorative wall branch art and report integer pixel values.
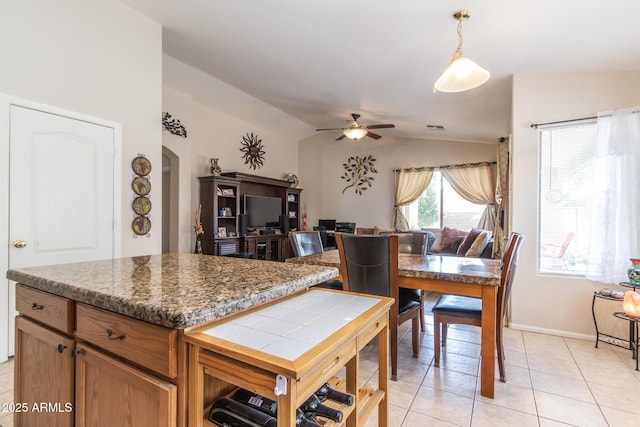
(253, 150)
(173, 125)
(358, 172)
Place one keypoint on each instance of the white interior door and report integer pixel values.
(62, 192)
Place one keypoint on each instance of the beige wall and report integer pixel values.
(320, 164)
(101, 59)
(216, 117)
(553, 303)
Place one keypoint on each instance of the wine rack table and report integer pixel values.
(287, 349)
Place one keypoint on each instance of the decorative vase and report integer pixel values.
(215, 168)
(634, 272)
(198, 245)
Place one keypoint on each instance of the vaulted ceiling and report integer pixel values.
(321, 60)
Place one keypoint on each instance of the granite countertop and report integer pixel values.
(482, 271)
(177, 290)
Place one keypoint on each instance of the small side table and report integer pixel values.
(633, 324)
(611, 339)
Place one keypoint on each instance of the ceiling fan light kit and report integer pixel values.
(462, 73)
(356, 132)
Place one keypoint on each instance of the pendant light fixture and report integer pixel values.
(462, 73)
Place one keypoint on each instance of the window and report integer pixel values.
(564, 192)
(441, 206)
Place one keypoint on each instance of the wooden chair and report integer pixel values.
(467, 310)
(309, 243)
(369, 265)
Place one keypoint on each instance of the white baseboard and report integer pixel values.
(560, 333)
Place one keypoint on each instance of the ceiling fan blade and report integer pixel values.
(373, 135)
(340, 137)
(380, 126)
(331, 129)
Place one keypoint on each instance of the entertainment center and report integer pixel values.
(248, 215)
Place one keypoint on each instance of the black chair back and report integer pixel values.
(369, 264)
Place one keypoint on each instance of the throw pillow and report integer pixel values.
(479, 244)
(468, 241)
(364, 230)
(377, 230)
(449, 235)
(453, 247)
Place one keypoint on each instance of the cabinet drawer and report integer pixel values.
(151, 346)
(46, 308)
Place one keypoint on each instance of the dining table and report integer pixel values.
(448, 274)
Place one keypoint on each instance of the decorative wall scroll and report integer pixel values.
(173, 125)
(141, 205)
(357, 172)
(253, 150)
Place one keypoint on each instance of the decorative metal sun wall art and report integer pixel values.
(173, 125)
(357, 172)
(253, 150)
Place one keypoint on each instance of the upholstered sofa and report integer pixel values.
(443, 241)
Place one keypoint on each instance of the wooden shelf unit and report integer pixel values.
(226, 192)
(217, 365)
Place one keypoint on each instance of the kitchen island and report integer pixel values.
(104, 340)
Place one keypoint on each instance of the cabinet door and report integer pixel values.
(44, 370)
(110, 393)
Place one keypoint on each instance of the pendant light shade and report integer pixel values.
(462, 73)
(355, 133)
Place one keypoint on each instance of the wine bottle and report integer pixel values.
(224, 410)
(265, 405)
(326, 392)
(303, 421)
(313, 408)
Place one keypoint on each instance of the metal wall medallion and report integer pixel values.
(141, 205)
(253, 150)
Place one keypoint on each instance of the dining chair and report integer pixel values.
(309, 243)
(455, 309)
(417, 243)
(369, 265)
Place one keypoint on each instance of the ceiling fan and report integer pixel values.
(355, 131)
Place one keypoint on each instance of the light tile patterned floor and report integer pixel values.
(551, 381)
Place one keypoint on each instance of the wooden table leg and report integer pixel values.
(488, 351)
(196, 391)
(383, 375)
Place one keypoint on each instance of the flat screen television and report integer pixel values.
(262, 211)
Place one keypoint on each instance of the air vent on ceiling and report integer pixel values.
(435, 127)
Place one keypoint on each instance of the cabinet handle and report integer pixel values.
(75, 353)
(35, 306)
(110, 332)
(61, 348)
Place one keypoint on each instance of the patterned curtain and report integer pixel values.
(502, 197)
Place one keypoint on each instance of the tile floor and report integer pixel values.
(551, 381)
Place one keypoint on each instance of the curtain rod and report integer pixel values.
(536, 125)
(429, 168)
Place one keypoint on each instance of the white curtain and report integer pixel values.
(476, 185)
(615, 210)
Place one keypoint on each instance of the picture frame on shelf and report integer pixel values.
(219, 191)
(222, 232)
(292, 214)
(228, 192)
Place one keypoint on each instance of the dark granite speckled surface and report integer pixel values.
(173, 290)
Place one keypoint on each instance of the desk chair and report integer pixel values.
(309, 243)
(468, 310)
(369, 265)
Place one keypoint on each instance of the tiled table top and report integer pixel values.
(290, 328)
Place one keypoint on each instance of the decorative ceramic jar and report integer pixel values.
(215, 168)
(634, 272)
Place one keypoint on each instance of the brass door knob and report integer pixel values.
(20, 244)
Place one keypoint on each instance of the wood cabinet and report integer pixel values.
(112, 393)
(222, 199)
(113, 358)
(44, 373)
